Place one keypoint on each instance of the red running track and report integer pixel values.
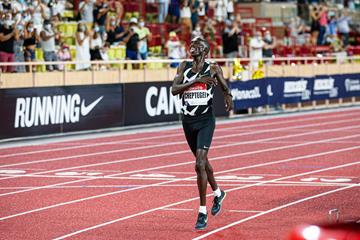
(278, 172)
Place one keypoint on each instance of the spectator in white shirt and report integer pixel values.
(175, 48)
(221, 10)
(256, 50)
(343, 24)
(86, 8)
(38, 13)
(185, 17)
(48, 36)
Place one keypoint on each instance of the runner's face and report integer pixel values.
(196, 47)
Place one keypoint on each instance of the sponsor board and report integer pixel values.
(153, 102)
(47, 110)
(273, 91)
(249, 93)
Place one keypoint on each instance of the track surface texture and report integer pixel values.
(278, 172)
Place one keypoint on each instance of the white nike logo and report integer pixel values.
(203, 75)
(205, 147)
(85, 110)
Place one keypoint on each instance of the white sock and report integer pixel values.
(217, 192)
(202, 209)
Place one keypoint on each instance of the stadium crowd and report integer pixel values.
(36, 30)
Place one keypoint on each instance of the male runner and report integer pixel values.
(195, 82)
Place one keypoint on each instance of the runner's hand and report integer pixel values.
(228, 102)
(208, 80)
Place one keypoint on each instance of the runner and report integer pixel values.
(195, 82)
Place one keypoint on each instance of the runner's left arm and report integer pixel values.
(216, 72)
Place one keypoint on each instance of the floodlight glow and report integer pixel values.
(311, 233)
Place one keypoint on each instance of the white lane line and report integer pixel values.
(190, 209)
(223, 181)
(184, 142)
(186, 151)
(106, 142)
(245, 211)
(183, 163)
(171, 135)
(178, 209)
(196, 198)
(273, 210)
(171, 181)
(276, 184)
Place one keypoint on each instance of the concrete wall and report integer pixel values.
(19, 80)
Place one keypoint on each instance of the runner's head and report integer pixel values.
(198, 47)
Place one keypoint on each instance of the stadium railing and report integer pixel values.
(121, 71)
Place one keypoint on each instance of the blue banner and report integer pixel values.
(248, 94)
(273, 91)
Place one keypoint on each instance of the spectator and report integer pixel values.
(201, 10)
(230, 9)
(209, 34)
(185, 17)
(343, 25)
(256, 46)
(174, 11)
(297, 30)
(8, 35)
(18, 49)
(323, 21)
(47, 37)
(209, 30)
(38, 15)
(30, 41)
(230, 39)
(144, 35)
(100, 12)
(26, 16)
(104, 52)
(64, 54)
(315, 24)
(5, 6)
(115, 32)
(221, 10)
(104, 55)
(96, 43)
(17, 9)
(57, 8)
(132, 41)
(197, 32)
(175, 49)
(117, 7)
(82, 47)
(194, 13)
(86, 8)
(332, 26)
(270, 44)
(163, 10)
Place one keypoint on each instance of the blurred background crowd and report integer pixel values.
(62, 30)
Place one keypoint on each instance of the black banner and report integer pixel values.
(46, 110)
(153, 102)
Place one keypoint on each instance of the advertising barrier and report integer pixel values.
(153, 102)
(272, 91)
(46, 110)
